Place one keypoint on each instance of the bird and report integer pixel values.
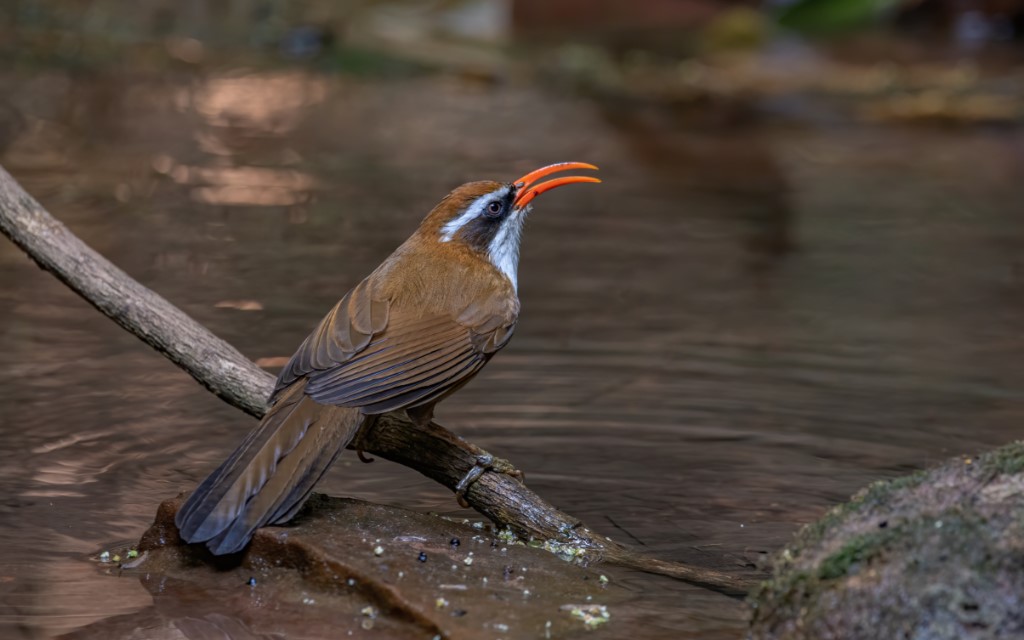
(410, 334)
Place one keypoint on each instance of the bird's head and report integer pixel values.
(487, 217)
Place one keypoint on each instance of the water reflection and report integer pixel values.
(245, 185)
(267, 103)
(736, 160)
(233, 110)
(681, 375)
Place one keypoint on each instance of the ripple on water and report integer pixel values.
(697, 370)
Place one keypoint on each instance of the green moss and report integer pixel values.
(968, 548)
(876, 494)
(785, 593)
(1008, 459)
(859, 549)
(791, 584)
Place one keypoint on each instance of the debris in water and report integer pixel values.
(592, 615)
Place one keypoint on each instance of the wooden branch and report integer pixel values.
(212, 362)
(434, 451)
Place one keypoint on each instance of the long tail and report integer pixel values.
(268, 478)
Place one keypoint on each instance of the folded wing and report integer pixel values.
(368, 354)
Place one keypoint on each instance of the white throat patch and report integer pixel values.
(503, 250)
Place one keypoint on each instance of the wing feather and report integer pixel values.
(425, 372)
(423, 360)
(397, 347)
(345, 331)
(376, 356)
(425, 395)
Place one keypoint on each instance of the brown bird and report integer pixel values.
(409, 335)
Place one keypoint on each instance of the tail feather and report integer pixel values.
(268, 478)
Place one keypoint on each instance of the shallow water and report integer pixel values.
(743, 325)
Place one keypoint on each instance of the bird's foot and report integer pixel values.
(485, 462)
(357, 441)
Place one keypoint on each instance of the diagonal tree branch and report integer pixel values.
(434, 451)
(212, 362)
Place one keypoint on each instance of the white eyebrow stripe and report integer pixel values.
(449, 230)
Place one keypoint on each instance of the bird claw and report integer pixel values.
(485, 462)
(363, 457)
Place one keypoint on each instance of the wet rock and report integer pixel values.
(938, 554)
(346, 568)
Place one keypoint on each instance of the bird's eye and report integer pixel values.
(494, 207)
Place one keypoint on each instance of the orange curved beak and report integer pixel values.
(528, 189)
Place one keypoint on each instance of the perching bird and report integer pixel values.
(412, 333)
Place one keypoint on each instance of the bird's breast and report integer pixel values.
(446, 279)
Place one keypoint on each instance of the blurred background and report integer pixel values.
(802, 273)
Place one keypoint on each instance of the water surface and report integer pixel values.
(743, 325)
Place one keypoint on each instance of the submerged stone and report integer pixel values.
(322, 576)
(937, 555)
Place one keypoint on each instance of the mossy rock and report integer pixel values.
(936, 555)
